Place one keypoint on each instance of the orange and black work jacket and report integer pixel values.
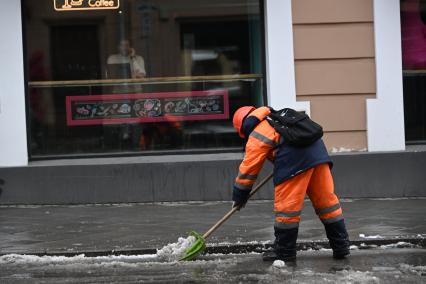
(265, 143)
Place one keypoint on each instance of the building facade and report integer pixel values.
(158, 82)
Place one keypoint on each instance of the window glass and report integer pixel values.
(413, 29)
(140, 76)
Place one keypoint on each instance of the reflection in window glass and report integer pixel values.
(147, 76)
(413, 29)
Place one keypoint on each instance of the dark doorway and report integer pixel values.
(75, 52)
(75, 55)
(415, 107)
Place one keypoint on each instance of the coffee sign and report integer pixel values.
(76, 5)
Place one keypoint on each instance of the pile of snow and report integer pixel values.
(324, 249)
(346, 150)
(370, 237)
(354, 247)
(171, 252)
(23, 258)
(342, 276)
(175, 251)
(351, 276)
(78, 260)
(278, 263)
(398, 245)
(419, 270)
(383, 268)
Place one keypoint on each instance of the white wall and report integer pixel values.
(385, 113)
(280, 79)
(13, 139)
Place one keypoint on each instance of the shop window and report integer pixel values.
(140, 76)
(413, 29)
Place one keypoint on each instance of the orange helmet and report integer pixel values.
(239, 116)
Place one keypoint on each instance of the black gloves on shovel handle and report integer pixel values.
(240, 198)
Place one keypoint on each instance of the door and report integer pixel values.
(75, 52)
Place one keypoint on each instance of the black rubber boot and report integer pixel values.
(338, 239)
(284, 246)
(272, 256)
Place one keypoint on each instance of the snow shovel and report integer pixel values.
(200, 240)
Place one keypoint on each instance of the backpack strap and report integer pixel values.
(253, 119)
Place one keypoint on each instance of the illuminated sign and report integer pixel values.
(75, 5)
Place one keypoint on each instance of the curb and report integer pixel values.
(317, 245)
(397, 242)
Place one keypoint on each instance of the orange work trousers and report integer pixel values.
(289, 197)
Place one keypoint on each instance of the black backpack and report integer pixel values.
(295, 127)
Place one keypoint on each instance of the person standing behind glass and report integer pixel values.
(130, 134)
(127, 54)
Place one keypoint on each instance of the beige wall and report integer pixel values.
(335, 66)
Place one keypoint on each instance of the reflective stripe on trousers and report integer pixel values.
(327, 209)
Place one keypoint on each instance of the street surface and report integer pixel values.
(120, 241)
(364, 266)
(82, 228)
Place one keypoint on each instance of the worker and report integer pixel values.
(297, 171)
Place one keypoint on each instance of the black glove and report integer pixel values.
(240, 197)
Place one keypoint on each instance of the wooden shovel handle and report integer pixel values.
(235, 209)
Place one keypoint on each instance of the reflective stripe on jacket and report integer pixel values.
(262, 139)
(264, 143)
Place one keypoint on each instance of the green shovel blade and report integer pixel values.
(198, 247)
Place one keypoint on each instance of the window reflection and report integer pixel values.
(158, 75)
(413, 34)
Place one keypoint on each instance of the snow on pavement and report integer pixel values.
(19, 259)
(370, 237)
(364, 266)
(170, 252)
(399, 245)
(278, 263)
(175, 251)
(419, 270)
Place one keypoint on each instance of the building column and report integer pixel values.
(280, 77)
(13, 137)
(385, 113)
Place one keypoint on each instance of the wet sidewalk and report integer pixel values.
(140, 227)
